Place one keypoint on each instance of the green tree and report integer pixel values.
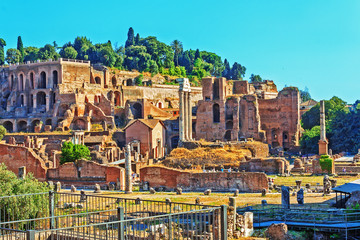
(68, 52)
(71, 152)
(137, 39)
(31, 54)
(2, 132)
(214, 62)
(2, 51)
(47, 52)
(305, 95)
(197, 54)
(309, 140)
(130, 39)
(177, 46)
(255, 78)
(237, 71)
(20, 47)
(13, 56)
(83, 45)
(227, 70)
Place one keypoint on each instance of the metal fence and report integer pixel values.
(196, 224)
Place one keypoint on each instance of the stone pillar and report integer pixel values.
(47, 102)
(185, 117)
(34, 103)
(181, 117)
(189, 125)
(323, 143)
(128, 182)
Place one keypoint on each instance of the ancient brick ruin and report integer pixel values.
(235, 110)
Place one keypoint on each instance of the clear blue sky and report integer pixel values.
(295, 43)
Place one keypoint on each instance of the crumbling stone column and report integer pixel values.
(189, 116)
(181, 117)
(128, 182)
(323, 143)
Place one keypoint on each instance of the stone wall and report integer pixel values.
(267, 165)
(217, 181)
(15, 157)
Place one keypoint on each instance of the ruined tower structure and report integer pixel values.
(185, 109)
(74, 94)
(323, 142)
(235, 110)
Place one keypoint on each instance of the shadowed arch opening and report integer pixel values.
(98, 80)
(32, 82)
(55, 78)
(117, 99)
(21, 85)
(113, 81)
(228, 135)
(137, 111)
(48, 122)
(41, 99)
(216, 113)
(229, 125)
(34, 124)
(8, 126)
(42, 82)
(22, 126)
(79, 124)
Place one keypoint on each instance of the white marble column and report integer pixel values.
(128, 180)
(181, 117)
(189, 116)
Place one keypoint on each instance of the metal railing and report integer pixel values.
(196, 224)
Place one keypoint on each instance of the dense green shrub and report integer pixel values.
(326, 163)
(71, 152)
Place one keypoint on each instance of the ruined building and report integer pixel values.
(235, 110)
(73, 94)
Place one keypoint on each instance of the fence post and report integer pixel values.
(170, 228)
(223, 222)
(51, 209)
(120, 215)
(30, 235)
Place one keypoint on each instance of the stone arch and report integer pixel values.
(174, 141)
(274, 138)
(55, 78)
(41, 99)
(34, 123)
(113, 81)
(42, 82)
(48, 121)
(21, 82)
(160, 105)
(22, 126)
(22, 100)
(97, 80)
(137, 112)
(216, 113)
(32, 80)
(117, 98)
(9, 126)
(286, 140)
(79, 124)
(129, 82)
(229, 124)
(227, 135)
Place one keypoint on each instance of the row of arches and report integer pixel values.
(41, 84)
(25, 126)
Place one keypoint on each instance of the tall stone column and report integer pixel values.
(185, 117)
(323, 143)
(47, 99)
(181, 117)
(128, 182)
(189, 116)
(34, 103)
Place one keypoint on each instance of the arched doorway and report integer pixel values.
(286, 140)
(274, 137)
(32, 83)
(160, 105)
(137, 111)
(229, 125)
(228, 135)
(41, 99)
(129, 82)
(117, 99)
(22, 101)
(98, 80)
(216, 113)
(21, 84)
(113, 81)
(8, 126)
(55, 78)
(42, 83)
(22, 126)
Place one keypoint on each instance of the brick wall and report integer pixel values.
(217, 181)
(14, 157)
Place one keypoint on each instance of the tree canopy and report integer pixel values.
(71, 152)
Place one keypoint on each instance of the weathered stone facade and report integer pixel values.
(73, 94)
(233, 110)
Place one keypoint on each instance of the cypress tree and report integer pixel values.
(197, 54)
(20, 47)
(137, 39)
(2, 53)
(130, 40)
(227, 71)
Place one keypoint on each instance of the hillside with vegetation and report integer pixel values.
(342, 127)
(144, 54)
